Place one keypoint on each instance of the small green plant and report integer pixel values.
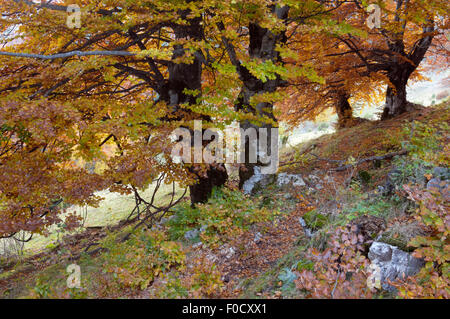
(377, 207)
(226, 215)
(287, 277)
(315, 220)
(364, 177)
(424, 142)
(138, 261)
(42, 289)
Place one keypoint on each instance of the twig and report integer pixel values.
(335, 283)
(369, 159)
(302, 153)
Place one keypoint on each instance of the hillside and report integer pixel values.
(297, 239)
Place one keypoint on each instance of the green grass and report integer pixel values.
(112, 209)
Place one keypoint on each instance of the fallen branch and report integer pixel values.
(369, 159)
(327, 159)
(302, 153)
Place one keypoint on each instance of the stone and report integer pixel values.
(257, 238)
(308, 231)
(442, 173)
(288, 196)
(191, 234)
(391, 263)
(257, 181)
(227, 251)
(294, 179)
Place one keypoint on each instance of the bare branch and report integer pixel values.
(67, 54)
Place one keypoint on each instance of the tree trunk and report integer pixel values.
(216, 176)
(396, 102)
(189, 76)
(344, 111)
(262, 45)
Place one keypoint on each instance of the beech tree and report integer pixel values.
(395, 48)
(342, 82)
(128, 77)
(265, 63)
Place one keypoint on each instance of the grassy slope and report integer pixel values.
(368, 139)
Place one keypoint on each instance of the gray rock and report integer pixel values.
(294, 179)
(308, 231)
(257, 181)
(227, 251)
(213, 258)
(442, 173)
(191, 234)
(392, 263)
(288, 196)
(257, 238)
(165, 220)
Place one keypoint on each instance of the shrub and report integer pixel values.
(433, 281)
(226, 215)
(339, 271)
(146, 255)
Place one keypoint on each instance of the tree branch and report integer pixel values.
(67, 54)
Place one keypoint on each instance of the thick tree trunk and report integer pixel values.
(201, 191)
(344, 111)
(189, 76)
(396, 102)
(262, 46)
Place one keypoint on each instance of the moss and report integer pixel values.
(304, 265)
(364, 176)
(315, 220)
(396, 239)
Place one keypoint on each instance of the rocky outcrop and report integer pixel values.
(390, 263)
(294, 179)
(259, 181)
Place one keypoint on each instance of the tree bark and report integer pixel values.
(396, 102)
(262, 46)
(189, 76)
(344, 110)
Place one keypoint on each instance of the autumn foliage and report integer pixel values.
(113, 90)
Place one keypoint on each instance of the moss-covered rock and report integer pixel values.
(400, 235)
(315, 220)
(395, 239)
